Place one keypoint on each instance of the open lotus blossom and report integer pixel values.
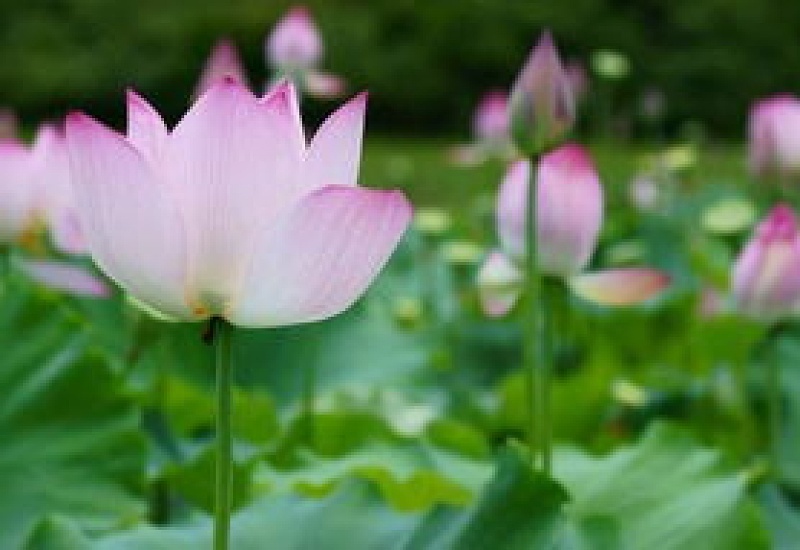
(232, 213)
(774, 136)
(766, 275)
(35, 191)
(223, 62)
(542, 108)
(568, 219)
(295, 49)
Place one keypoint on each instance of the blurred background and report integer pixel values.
(696, 64)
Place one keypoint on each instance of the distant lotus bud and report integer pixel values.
(8, 124)
(569, 210)
(542, 102)
(223, 63)
(295, 43)
(766, 275)
(499, 284)
(578, 80)
(324, 85)
(774, 135)
(491, 117)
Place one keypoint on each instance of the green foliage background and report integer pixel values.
(426, 63)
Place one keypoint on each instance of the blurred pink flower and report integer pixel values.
(223, 62)
(490, 123)
(294, 49)
(774, 135)
(578, 80)
(295, 42)
(8, 124)
(766, 275)
(569, 201)
(18, 194)
(232, 213)
(542, 101)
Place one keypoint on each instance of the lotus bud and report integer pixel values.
(766, 275)
(542, 103)
(774, 136)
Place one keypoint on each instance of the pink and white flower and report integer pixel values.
(232, 213)
(569, 212)
(223, 63)
(774, 135)
(766, 275)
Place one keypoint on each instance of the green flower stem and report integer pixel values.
(533, 344)
(774, 414)
(224, 365)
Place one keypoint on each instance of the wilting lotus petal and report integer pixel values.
(618, 287)
(223, 64)
(542, 103)
(66, 277)
(231, 214)
(569, 210)
(324, 85)
(499, 283)
(766, 275)
(295, 42)
(774, 135)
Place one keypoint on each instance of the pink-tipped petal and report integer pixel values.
(131, 223)
(324, 85)
(322, 257)
(499, 284)
(335, 151)
(619, 287)
(65, 277)
(569, 210)
(146, 129)
(512, 203)
(236, 163)
(283, 97)
(766, 275)
(223, 63)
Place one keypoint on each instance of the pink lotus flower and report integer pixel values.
(542, 101)
(223, 63)
(568, 219)
(295, 50)
(232, 213)
(766, 275)
(774, 135)
(491, 118)
(18, 195)
(8, 124)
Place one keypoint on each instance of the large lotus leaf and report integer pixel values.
(70, 439)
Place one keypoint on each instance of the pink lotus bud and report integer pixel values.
(491, 117)
(569, 210)
(8, 124)
(18, 195)
(222, 63)
(766, 275)
(774, 135)
(542, 102)
(295, 43)
(233, 213)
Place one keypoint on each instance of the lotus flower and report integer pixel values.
(774, 136)
(542, 101)
(295, 50)
(231, 213)
(223, 63)
(766, 275)
(490, 126)
(569, 215)
(8, 124)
